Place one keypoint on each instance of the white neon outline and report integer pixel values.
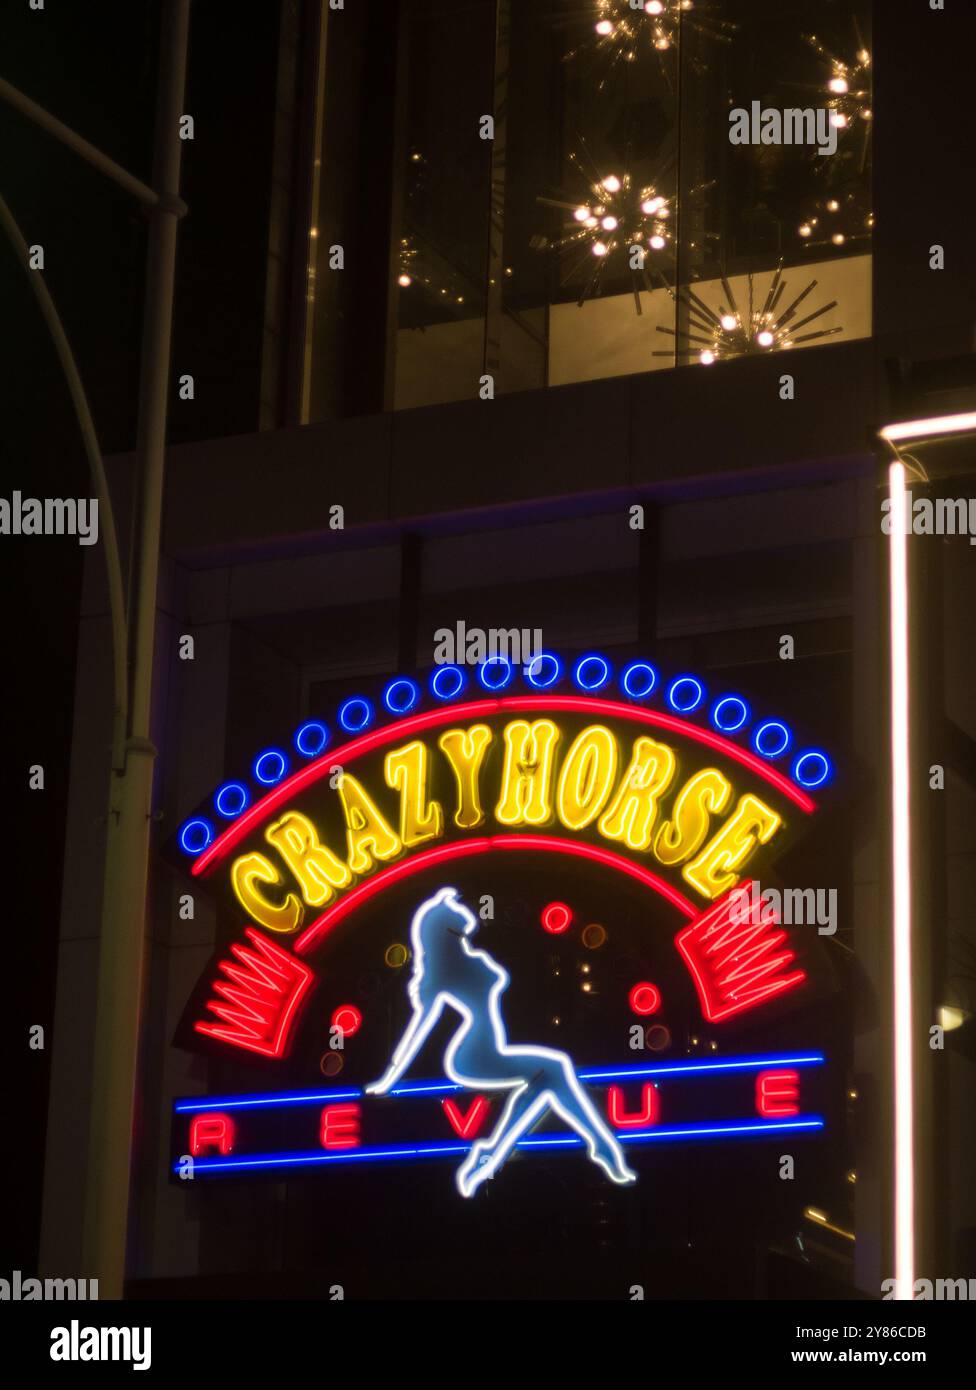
(901, 887)
(485, 1157)
(931, 428)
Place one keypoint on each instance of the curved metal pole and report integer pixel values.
(86, 425)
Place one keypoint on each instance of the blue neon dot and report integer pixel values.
(736, 714)
(311, 738)
(680, 703)
(447, 682)
(401, 695)
(812, 768)
(639, 680)
(270, 766)
(591, 672)
(544, 670)
(503, 668)
(355, 714)
(772, 739)
(231, 799)
(195, 836)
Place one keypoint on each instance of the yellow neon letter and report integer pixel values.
(752, 823)
(254, 868)
(527, 773)
(316, 868)
(465, 750)
(368, 835)
(678, 839)
(406, 772)
(631, 814)
(587, 777)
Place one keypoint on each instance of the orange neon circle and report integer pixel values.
(594, 936)
(645, 998)
(657, 1037)
(348, 1019)
(556, 918)
(331, 1063)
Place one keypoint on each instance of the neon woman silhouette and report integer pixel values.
(449, 971)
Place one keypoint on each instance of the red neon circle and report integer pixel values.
(556, 918)
(645, 998)
(348, 1019)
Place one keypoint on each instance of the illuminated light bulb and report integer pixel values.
(951, 1017)
(604, 28)
(586, 987)
(599, 209)
(313, 231)
(806, 229)
(833, 205)
(867, 113)
(652, 205)
(611, 183)
(838, 238)
(663, 43)
(599, 248)
(838, 84)
(707, 357)
(609, 223)
(838, 120)
(765, 338)
(592, 222)
(581, 214)
(663, 211)
(657, 243)
(404, 281)
(863, 57)
(729, 322)
(654, 7)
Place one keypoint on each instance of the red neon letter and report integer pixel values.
(777, 1093)
(213, 1129)
(469, 1125)
(617, 1110)
(340, 1127)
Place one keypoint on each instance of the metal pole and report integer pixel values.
(121, 959)
(89, 152)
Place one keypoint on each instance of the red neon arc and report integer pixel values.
(447, 853)
(476, 709)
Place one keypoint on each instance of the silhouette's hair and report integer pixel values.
(437, 927)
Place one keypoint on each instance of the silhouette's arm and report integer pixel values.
(414, 1037)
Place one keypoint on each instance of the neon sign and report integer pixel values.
(673, 1102)
(660, 788)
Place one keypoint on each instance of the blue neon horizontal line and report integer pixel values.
(701, 1131)
(545, 1141)
(239, 1102)
(804, 1059)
